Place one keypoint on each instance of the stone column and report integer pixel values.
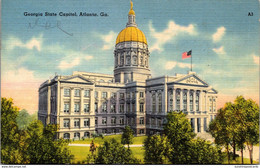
(164, 100)
(202, 124)
(206, 102)
(71, 101)
(200, 101)
(61, 104)
(181, 99)
(188, 100)
(173, 99)
(81, 109)
(195, 125)
(194, 101)
(156, 102)
(137, 102)
(49, 105)
(117, 102)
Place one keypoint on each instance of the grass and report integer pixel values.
(138, 153)
(80, 153)
(99, 140)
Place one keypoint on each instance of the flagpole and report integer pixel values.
(191, 63)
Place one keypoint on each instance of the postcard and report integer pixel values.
(102, 70)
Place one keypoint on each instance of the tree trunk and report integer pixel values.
(228, 154)
(250, 148)
(242, 160)
(234, 150)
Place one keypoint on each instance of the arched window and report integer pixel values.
(86, 134)
(141, 61)
(171, 101)
(178, 99)
(191, 101)
(134, 60)
(128, 60)
(66, 136)
(122, 60)
(185, 100)
(76, 135)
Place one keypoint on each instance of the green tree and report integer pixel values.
(203, 152)
(127, 136)
(179, 132)
(112, 152)
(157, 149)
(13, 140)
(218, 129)
(44, 148)
(23, 119)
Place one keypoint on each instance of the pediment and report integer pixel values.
(212, 91)
(77, 79)
(192, 80)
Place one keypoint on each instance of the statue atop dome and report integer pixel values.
(131, 12)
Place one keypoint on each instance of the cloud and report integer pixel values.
(172, 64)
(168, 34)
(256, 59)
(73, 59)
(219, 51)
(219, 34)
(34, 42)
(109, 40)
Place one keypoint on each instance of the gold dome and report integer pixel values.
(131, 34)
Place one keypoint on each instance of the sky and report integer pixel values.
(224, 41)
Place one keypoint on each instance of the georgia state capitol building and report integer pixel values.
(84, 103)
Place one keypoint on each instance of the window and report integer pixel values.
(104, 131)
(121, 121)
(141, 131)
(205, 124)
(133, 107)
(76, 123)
(104, 121)
(86, 108)
(211, 118)
(185, 101)
(76, 135)
(135, 60)
(86, 134)
(104, 107)
(198, 124)
(192, 123)
(77, 91)
(66, 92)
(113, 121)
(141, 120)
(133, 95)
(171, 101)
(128, 107)
(66, 107)
(160, 102)
(86, 122)
(178, 99)
(141, 60)
(66, 136)
(66, 123)
(114, 95)
(197, 101)
(141, 94)
(96, 94)
(121, 108)
(86, 93)
(153, 122)
(113, 108)
(128, 95)
(141, 107)
(104, 94)
(113, 131)
(122, 95)
(96, 107)
(128, 60)
(76, 107)
(153, 103)
(191, 101)
(159, 122)
(96, 120)
(122, 60)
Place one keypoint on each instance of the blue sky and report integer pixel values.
(223, 38)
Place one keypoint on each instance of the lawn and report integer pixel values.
(99, 140)
(80, 153)
(238, 161)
